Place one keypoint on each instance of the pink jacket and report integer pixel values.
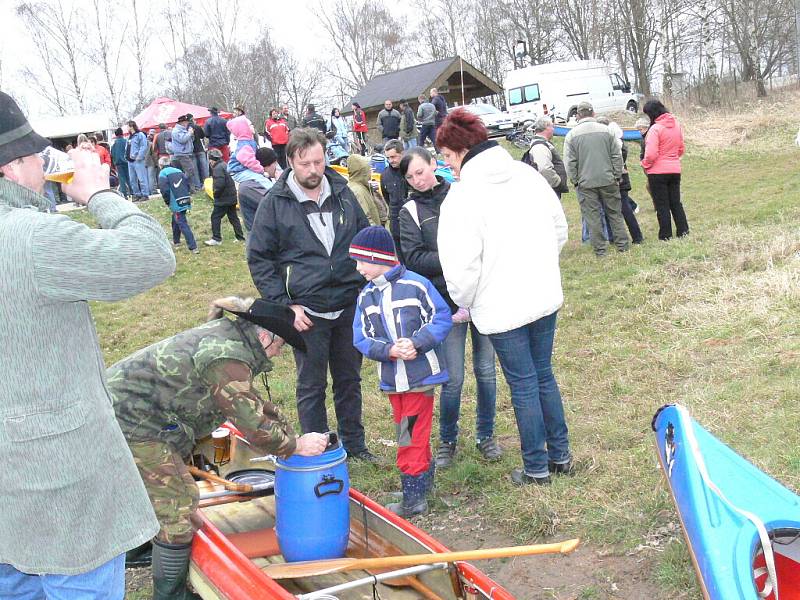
(663, 146)
(246, 147)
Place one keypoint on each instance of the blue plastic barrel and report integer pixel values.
(312, 506)
(378, 163)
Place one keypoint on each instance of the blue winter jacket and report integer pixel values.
(182, 141)
(138, 146)
(403, 304)
(234, 166)
(174, 186)
(216, 132)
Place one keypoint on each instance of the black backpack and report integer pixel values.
(528, 159)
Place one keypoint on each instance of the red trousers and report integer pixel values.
(413, 414)
(226, 151)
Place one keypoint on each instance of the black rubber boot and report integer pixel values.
(170, 571)
(414, 502)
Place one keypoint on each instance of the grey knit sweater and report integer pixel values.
(70, 495)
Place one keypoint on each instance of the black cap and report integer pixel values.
(17, 137)
(189, 116)
(213, 110)
(274, 317)
(182, 118)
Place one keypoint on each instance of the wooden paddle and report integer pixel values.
(336, 565)
(229, 485)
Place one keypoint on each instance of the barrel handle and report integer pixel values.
(329, 480)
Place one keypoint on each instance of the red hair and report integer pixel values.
(461, 131)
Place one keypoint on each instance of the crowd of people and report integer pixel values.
(475, 257)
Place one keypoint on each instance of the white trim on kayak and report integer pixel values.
(771, 585)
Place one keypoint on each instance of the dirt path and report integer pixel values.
(588, 573)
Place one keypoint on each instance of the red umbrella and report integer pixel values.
(166, 110)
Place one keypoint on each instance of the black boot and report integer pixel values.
(428, 478)
(414, 502)
(170, 571)
(139, 557)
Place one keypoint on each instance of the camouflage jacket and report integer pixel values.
(184, 387)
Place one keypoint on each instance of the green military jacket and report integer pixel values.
(182, 388)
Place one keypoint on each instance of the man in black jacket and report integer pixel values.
(315, 120)
(394, 189)
(224, 199)
(389, 122)
(199, 152)
(298, 256)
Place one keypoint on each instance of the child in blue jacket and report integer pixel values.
(176, 191)
(400, 321)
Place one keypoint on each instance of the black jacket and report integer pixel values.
(315, 120)
(394, 190)
(217, 132)
(197, 142)
(419, 242)
(287, 260)
(224, 187)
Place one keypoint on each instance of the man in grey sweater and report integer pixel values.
(426, 121)
(594, 166)
(71, 498)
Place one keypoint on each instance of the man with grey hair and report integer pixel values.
(548, 160)
(594, 166)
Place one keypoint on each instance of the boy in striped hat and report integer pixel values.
(400, 322)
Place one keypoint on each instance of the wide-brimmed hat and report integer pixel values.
(274, 317)
(17, 137)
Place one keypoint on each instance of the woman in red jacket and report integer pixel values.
(278, 130)
(360, 128)
(662, 163)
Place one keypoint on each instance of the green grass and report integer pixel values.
(711, 321)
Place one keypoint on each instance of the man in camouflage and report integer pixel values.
(182, 388)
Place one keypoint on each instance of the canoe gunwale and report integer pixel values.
(238, 578)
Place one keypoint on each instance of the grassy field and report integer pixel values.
(710, 321)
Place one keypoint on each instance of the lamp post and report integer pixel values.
(520, 52)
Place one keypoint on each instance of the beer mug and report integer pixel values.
(221, 440)
(57, 165)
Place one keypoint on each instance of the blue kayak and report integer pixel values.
(629, 134)
(741, 526)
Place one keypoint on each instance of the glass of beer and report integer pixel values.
(221, 440)
(57, 165)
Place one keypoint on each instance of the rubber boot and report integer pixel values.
(414, 502)
(170, 571)
(428, 478)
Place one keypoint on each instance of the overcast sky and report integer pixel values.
(291, 22)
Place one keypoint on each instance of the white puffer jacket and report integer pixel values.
(501, 230)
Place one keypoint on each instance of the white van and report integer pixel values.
(557, 88)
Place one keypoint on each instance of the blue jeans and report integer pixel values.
(525, 354)
(124, 180)
(201, 167)
(180, 224)
(140, 184)
(106, 582)
(410, 143)
(453, 351)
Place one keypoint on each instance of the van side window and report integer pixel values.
(532, 93)
(515, 96)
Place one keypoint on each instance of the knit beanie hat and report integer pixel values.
(374, 245)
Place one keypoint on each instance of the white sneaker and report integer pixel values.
(213, 242)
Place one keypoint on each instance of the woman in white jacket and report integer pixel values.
(501, 230)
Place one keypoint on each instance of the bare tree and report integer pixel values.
(760, 31)
(106, 53)
(136, 42)
(367, 38)
(58, 34)
(302, 84)
(708, 71)
(584, 25)
(533, 22)
(642, 40)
